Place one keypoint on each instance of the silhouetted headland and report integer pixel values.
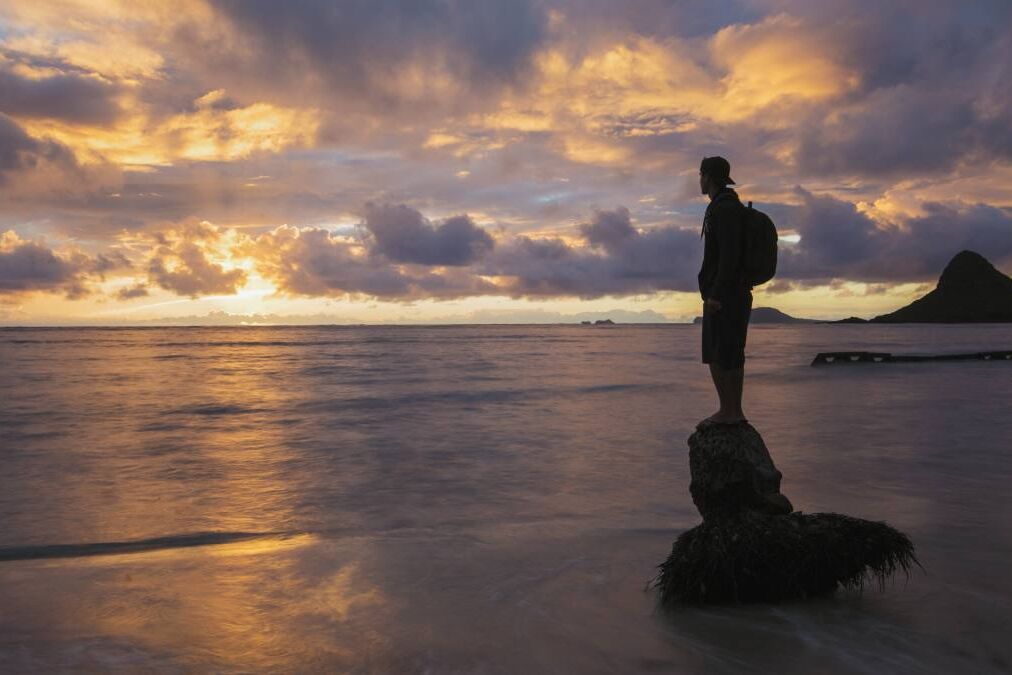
(970, 290)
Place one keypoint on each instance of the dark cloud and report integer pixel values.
(15, 144)
(314, 262)
(131, 292)
(899, 133)
(609, 229)
(661, 258)
(402, 234)
(70, 97)
(27, 266)
(20, 152)
(656, 18)
(908, 41)
(355, 51)
(833, 234)
(620, 260)
(947, 228)
(930, 96)
(109, 262)
(840, 242)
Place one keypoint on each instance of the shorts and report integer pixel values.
(724, 331)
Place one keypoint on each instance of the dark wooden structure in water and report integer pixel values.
(824, 358)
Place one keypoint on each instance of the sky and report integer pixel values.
(433, 161)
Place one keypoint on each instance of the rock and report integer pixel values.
(753, 547)
(732, 470)
(970, 289)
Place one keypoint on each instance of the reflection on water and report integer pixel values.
(479, 499)
(251, 541)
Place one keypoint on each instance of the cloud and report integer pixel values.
(27, 266)
(19, 152)
(183, 261)
(315, 262)
(901, 132)
(948, 227)
(402, 234)
(216, 129)
(366, 54)
(631, 262)
(131, 292)
(838, 241)
(931, 98)
(125, 116)
(609, 229)
(779, 58)
(67, 96)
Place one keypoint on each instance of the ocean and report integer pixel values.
(478, 499)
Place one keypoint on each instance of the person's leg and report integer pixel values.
(717, 375)
(724, 334)
(729, 384)
(735, 381)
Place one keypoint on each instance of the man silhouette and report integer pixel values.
(727, 296)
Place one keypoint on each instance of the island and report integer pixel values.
(970, 290)
(769, 315)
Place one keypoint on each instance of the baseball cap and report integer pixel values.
(718, 167)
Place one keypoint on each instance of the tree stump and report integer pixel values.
(753, 547)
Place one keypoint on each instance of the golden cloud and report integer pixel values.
(781, 58)
(595, 102)
(209, 133)
(195, 258)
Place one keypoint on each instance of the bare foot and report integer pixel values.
(708, 420)
(721, 418)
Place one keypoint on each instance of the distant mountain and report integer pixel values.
(769, 315)
(970, 290)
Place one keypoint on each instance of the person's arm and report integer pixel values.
(699, 279)
(705, 276)
(729, 244)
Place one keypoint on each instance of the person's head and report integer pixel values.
(714, 174)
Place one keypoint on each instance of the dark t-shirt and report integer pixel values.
(721, 274)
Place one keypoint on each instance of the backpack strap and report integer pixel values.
(744, 241)
(720, 196)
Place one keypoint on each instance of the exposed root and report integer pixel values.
(755, 557)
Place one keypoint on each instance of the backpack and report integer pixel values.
(760, 249)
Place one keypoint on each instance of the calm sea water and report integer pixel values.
(484, 499)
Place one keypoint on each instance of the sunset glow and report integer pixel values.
(244, 162)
